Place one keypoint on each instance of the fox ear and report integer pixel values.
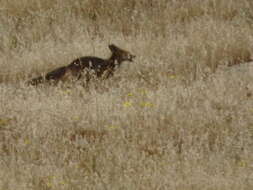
(112, 47)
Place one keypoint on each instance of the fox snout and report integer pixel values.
(126, 56)
(131, 57)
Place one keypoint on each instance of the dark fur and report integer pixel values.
(100, 67)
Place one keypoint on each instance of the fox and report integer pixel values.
(86, 66)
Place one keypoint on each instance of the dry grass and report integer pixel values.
(177, 118)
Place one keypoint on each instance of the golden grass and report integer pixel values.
(176, 118)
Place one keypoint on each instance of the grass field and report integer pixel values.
(177, 118)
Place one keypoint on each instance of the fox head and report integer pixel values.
(120, 54)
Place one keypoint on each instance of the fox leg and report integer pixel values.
(109, 73)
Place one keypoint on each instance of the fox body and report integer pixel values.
(86, 66)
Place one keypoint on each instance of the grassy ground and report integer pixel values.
(176, 118)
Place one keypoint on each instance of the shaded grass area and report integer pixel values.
(176, 118)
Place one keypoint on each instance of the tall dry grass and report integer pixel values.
(176, 118)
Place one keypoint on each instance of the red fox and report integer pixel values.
(76, 69)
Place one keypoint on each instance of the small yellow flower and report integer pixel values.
(27, 141)
(112, 127)
(147, 104)
(76, 118)
(172, 76)
(127, 104)
(242, 164)
(68, 91)
(4, 122)
(62, 182)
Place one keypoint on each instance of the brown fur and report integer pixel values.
(89, 64)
